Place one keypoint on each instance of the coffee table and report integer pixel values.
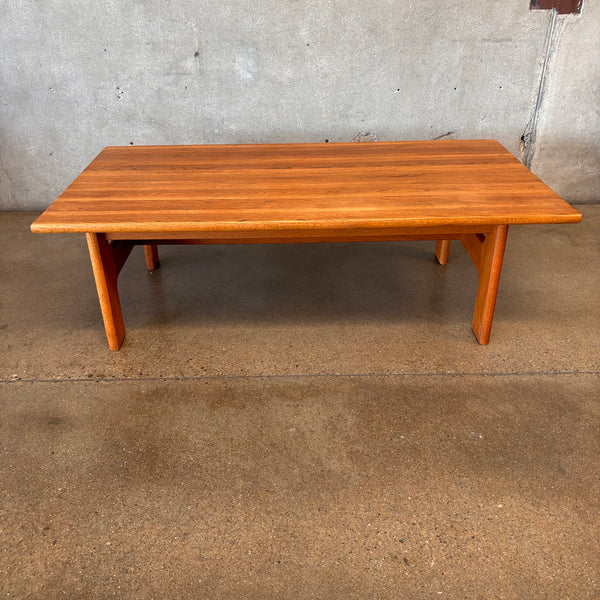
(467, 190)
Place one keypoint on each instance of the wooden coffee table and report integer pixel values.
(287, 193)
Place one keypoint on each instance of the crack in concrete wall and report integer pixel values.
(528, 139)
(7, 190)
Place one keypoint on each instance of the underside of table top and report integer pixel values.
(296, 187)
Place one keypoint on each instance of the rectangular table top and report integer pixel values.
(266, 187)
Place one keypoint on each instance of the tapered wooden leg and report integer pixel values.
(442, 249)
(105, 274)
(490, 267)
(151, 254)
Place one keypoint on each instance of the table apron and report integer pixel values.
(294, 236)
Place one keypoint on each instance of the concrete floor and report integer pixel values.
(309, 421)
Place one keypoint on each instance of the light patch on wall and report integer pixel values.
(245, 68)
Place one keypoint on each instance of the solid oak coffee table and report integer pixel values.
(287, 193)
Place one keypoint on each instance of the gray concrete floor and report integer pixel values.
(303, 421)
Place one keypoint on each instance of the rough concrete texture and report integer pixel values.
(79, 76)
(383, 487)
(302, 421)
(567, 152)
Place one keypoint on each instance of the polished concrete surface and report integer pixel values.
(302, 421)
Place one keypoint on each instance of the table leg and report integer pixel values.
(106, 271)
(489, 266)
(151, 254)
(442, 250)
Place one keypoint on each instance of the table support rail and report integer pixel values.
(109, 253)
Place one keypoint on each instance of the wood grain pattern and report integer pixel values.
(263, 236)
(106, 272)
(316, 187)
(441, 190)
(489, 265)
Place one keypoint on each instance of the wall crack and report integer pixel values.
(528, 138)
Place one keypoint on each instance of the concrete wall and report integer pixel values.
(76, 76)
(567, 152)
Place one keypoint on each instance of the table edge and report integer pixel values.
(282, 226)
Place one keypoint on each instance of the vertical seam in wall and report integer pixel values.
(12, 204)
(529, 136)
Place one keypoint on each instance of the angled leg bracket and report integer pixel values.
(487, 253)
(108, 259)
